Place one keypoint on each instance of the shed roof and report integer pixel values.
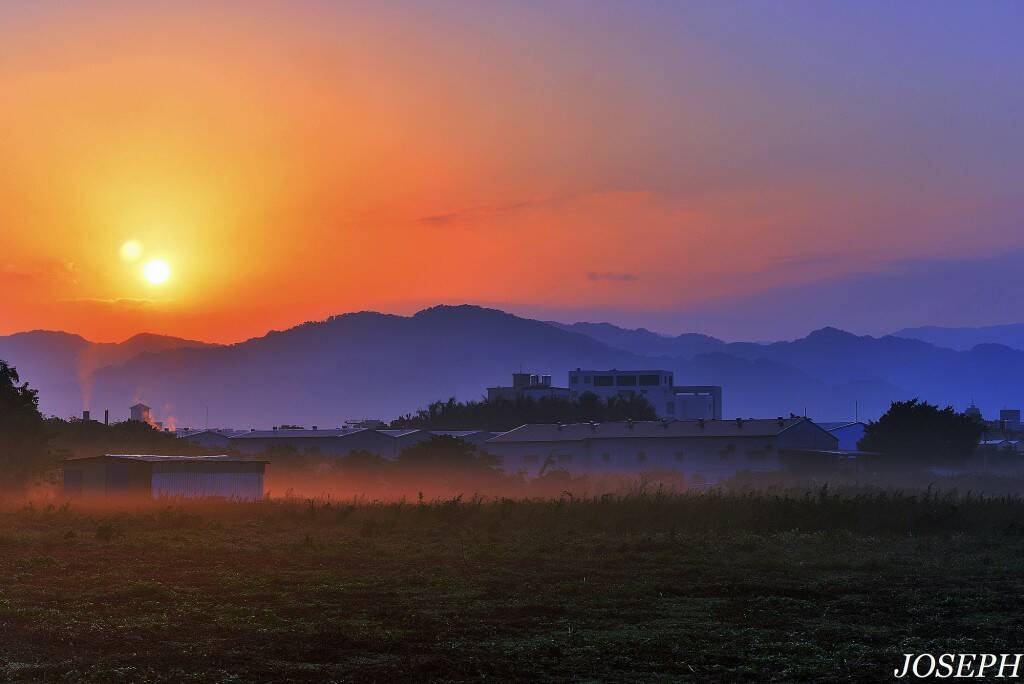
(158, 458)
(755, 427)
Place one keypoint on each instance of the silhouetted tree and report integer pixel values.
(506, 414)
(77, 438)
(916, 432)
(24, 439)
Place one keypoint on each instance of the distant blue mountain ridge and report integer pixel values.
(368, 364)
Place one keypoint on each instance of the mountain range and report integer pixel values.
(368, 364)
(962, 339)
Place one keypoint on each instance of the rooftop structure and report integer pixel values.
(141, 413)
(527, 385)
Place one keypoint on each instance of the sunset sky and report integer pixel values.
(748, 169)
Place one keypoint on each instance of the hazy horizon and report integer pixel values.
(629, 321)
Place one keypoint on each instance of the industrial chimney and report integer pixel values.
(106, 416)
(85, 416)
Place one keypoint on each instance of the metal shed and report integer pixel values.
(151, 476)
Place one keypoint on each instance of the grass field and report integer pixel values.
(806, 586)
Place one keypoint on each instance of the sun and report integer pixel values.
(156, 271)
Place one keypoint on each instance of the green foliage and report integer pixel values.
(24, 438)
(506, 414)
(916, 432)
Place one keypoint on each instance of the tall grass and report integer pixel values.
(822, 509)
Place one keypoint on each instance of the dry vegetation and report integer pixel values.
(806, 585)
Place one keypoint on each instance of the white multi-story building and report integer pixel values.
(656, 386)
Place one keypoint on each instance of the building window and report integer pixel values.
(626, 381)
(641, 456)
(603, 381)
(649, 381)
(565, 458)
(606, 457)
(586, 379)
(670, 407)
(574, 379)
(531, 459)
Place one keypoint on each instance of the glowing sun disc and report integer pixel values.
(156, 271)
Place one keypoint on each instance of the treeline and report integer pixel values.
(506, 414)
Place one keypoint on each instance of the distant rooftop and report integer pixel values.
(835, 425)
(759, 427)
(327, 432)
(398, 433)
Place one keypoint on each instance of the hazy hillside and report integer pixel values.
(644, 342)
(968, 338)
(872, 370)
(60, 364)
(378, 365)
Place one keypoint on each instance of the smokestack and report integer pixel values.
(85, 416)
(106, 416)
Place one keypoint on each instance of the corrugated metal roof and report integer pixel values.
(397, 433)
(760, 427)
(265, 434)
(456, 433)
(157, 458)
(212, 431)
(830, 425)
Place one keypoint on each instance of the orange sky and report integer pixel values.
(297, 160)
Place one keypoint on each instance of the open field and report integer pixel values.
(804, 586)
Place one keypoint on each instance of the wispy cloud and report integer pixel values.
(481, 212)
(484, 212)
(609, 276)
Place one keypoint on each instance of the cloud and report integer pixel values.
(479, 213)
(609, 276)
(485, 212)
